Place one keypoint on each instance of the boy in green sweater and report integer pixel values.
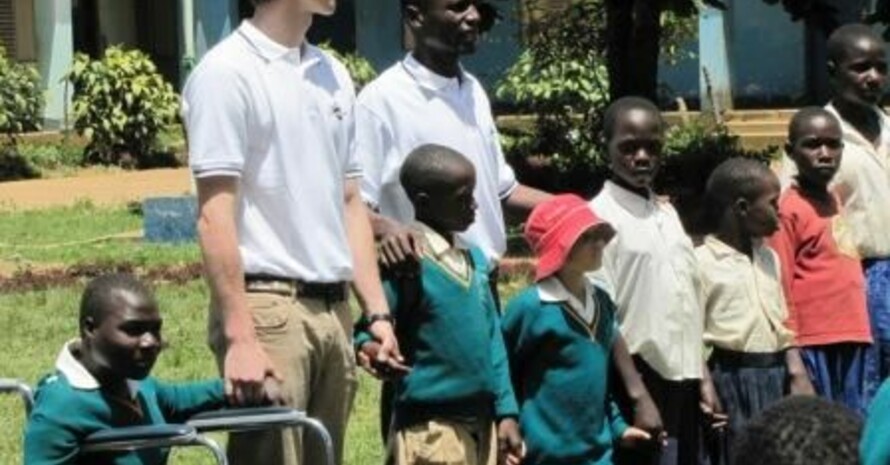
(455, 404)
(560, 334)
(102, 381)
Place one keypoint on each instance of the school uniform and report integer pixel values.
(744, 327)
(70, 405)
(280, 120)
(449, 331)
(862, 184)
(874, 448)
(650, 271)
(825, 291)
(560, 354)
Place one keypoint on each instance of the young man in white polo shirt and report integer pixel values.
(428, 98)
(651, 271)
(281, 223)
(858, 71)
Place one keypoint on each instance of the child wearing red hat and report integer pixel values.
(559, 335)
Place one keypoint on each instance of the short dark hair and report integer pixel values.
(840, 40)
(101, 293)
(621, 106)
(422, 169)
(735, 178)
(800, 430)
(803, 117)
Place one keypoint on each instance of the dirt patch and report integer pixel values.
(28, 280)
(99, 187)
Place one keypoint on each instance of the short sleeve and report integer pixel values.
(506, 177)
(373, 139)
(215, 109)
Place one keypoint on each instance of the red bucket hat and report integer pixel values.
(553, 227)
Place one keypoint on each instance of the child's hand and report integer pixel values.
(800, 385)
(511, 449)
(367, 359)
(646, 416)
(634, 436)
(710, 405)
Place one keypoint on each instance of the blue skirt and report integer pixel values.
(877, 286)
(747, 383)
(846, 373)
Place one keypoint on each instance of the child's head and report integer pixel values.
(565, 234)
(440, 183)
(743, 195)
(800, 430)
(815, 143)
(633, 129)
(857, 64)
(120, 327)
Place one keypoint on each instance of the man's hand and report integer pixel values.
(710, 405)
(400, 247)
(511, 449)
(388, 357)
(367, 359)
(246, 369)
(646, 416)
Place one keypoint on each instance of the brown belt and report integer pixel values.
(330, 292)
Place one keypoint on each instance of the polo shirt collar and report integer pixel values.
(852, 135)
(425, 77)
(553, 291)
(629, 200)
(271, 50)
(77, 374)
(722, 250)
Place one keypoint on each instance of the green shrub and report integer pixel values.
(121, 103)
(692, 151)
(21, 97)
(359, 68)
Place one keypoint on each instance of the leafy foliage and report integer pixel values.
(121, 103)
(692, 151)
(561, 78)
(21, 97)
(359, 68)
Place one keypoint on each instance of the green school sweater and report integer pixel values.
(875, 446)
(452, 340)
(64, 415)
(560, 369)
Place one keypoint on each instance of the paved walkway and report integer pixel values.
(100, 187)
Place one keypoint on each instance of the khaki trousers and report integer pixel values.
(443, 442)
(310, 344)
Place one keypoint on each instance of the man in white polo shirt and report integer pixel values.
(281, 225)
(428, 98)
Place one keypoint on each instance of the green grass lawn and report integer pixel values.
(82, 234)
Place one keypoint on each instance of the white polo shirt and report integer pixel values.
(282, 121)
(409, 106)
(650, 270)
(863, 186)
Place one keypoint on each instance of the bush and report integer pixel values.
(121, 103)
(561, 79)
(21, 97)
(692, 151)
(359, 68)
